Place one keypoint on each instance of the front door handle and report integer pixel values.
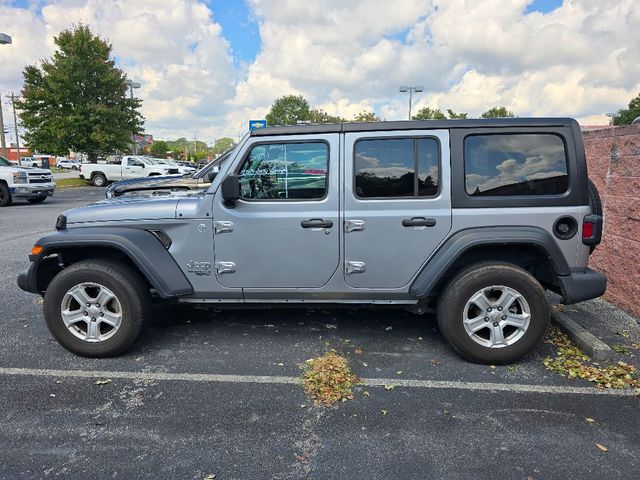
(418, 222)
(316, 223)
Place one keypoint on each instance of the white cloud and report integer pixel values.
(578, 60)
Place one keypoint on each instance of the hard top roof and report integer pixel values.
(415, 125)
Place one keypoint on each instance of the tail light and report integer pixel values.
(591, 229)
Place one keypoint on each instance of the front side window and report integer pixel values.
(403, 167)
(515, 164)
(285, 171)
(132, 162)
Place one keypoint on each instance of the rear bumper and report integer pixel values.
(581, 286)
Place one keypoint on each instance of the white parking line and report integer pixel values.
(274, 379)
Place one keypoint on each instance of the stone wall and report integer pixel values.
(613, 158)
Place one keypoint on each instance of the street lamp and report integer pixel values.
(4, 40)
(411, 90)
(133, 85)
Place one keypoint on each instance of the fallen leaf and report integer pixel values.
(270, 325)
(589, 419)
(364, 364)
(358, 351)
(330, 326)
(384, 412)
(602, 447)
(58, 381)
(281, 364)
(419, 338)
(389, 387)
(102, 382)
(399, 372)
(623, 333)
(302, 405)
(493, 367)
(435, 362)
(366, 394)
(389, 328)
(301, 458)
(211, 476)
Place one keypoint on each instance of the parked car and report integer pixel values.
(68, 164)
(35, 162)
(166, 185)
(474, 219)
(182, 170)
(32, 184)
(130, 166)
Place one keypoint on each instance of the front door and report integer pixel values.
(397, 204)
(284, 230)
(133, 168)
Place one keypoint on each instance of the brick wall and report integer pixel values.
(613, 158)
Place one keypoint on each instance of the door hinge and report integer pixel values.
(225, 267)
(356, 267)
(222, 226)
(353, 225)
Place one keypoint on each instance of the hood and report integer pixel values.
(15, 169)
(153, 185)
(121, 209)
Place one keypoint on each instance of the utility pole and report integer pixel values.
(411, 90)
(2, 140)
(15, 123)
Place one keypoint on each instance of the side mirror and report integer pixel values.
(231, 190)
(142, 165)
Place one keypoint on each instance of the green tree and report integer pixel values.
(223, 144)
(78, 99)
(628, 115)
(288, 110)
(317, 115)
(159, 148)
(454, 115)
(428, 113)
(498, 112)
(366, 116)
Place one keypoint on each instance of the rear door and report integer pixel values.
(397, 204)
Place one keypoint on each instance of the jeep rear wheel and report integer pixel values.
(97, 308)
(99, 180)
(493, 313)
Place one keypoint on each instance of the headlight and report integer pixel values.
(20, 177)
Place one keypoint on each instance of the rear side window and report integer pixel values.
(392, 168)
(285, 171)
(515, 164)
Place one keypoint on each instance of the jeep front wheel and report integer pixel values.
(97, 308)
(493, 313)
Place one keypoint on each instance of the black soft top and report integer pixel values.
(416, 125)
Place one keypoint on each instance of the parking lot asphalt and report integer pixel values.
(216, 393)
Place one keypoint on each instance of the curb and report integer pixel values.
(586, 341)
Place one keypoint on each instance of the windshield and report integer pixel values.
(5, 163)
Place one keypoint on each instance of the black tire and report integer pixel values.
(125, 283)
(99, 180)
(5, 195)
(465, 284)
(37, 199)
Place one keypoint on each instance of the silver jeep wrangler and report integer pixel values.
(472, 218)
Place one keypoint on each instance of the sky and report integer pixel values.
(208, 67)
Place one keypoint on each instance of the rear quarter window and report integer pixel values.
(515, 164)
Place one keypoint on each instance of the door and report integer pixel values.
(397, 204)
(133, 168)
(284, 230)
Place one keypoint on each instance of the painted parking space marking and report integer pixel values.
(275, 379)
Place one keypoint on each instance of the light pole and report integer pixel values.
(411, 90)
(133, 85)
(4, 40)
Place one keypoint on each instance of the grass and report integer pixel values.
(328, 379)
(572, 363)
(71, 183)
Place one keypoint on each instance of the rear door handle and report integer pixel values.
(418, 222)
(316, 223)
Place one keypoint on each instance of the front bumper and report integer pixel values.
(581, 286)
(27, 281)
(32, 191)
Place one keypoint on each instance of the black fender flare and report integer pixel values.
(140, 246)
(463, 240)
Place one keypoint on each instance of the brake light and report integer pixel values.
(587, 230)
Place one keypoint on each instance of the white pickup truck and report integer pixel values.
(33, 184)
(130, 166)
